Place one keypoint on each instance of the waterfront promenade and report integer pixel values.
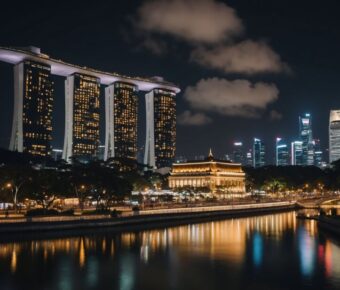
(137, 218)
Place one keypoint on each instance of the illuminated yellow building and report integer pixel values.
(81, 117)
(219, 176)
(33, 103)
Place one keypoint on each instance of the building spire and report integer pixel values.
(210, 155)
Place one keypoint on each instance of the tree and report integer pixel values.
(13, 179)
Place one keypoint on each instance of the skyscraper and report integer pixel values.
(306, 136)
(334, 135)
(160, 143)
(121, 104)
(33, 104)
(282, 154)
(81, 117)
(238, 153)
(318, 154)
(249, 158)
(258, 153)
(296, 153)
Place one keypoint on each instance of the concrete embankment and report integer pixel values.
(143, 218)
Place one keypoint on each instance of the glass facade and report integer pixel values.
(334, 136)
(165, 127)
(32, 124)
(125, 120)
(258, 153)
(306, 136)
(282, 154)
(296, 153)
(318, 154)
(238, 153)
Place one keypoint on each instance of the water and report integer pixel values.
(265, 252)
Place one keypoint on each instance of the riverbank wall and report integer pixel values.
(142, 218)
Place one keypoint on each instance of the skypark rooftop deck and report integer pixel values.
(61, 68)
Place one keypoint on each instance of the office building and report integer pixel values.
(160, 143)
(296, 153)
(334, 135)
(282, 153)
(33, 105)
(318, 154)
(57, 154)
(249, 156)
(238, 153)
(121, 105)
(306, 136)
(258, 153)
(81, 117)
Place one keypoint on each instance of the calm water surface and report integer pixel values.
(265, 252)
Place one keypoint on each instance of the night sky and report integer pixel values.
(246, 68)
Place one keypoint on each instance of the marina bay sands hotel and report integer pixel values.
(33, 106)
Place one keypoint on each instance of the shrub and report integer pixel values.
(115, 213)
(135, 208)
(41, 212)
(68, 212)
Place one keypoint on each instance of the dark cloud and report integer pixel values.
(231, 98)
(196, 21)
(246, 57)
(194, 119)
(275, 115)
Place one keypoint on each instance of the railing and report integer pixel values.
(217, 208)
(200, 209)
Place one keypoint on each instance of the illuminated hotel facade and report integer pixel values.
(32, 120)
(160, 145)
(121, 105)
(219, 176)
(81, 117)
(33, 104)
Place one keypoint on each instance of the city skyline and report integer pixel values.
(309, 85)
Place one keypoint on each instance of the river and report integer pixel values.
(273, 251)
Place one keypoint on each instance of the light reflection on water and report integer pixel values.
(265, 252)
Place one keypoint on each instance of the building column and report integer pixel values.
(16, 143)
(109, 123)
(68, 135)
(149, 154)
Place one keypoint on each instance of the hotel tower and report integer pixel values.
(32, 121)
(33, 102)
(121, 105)
(160, 142)
(81, 138)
